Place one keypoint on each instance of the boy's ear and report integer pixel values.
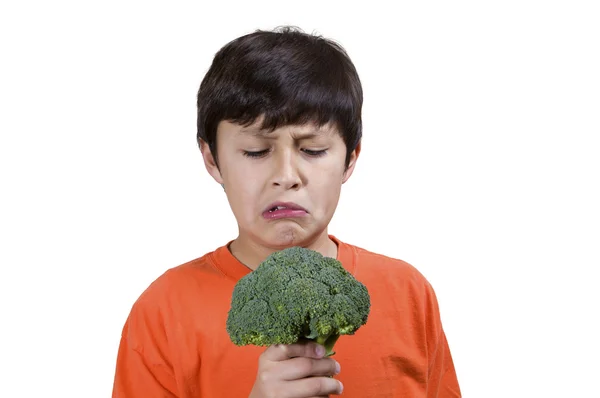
(210, 162)
(351, 163)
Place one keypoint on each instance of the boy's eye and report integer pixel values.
(264, 152)
(315, 153)
(256, 154)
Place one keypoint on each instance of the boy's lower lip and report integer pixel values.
(284, 213)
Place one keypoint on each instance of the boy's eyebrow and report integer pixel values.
(268, 135)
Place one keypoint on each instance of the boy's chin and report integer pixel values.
(283, 237)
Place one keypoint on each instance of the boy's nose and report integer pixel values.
(288, 183)
(287, 174)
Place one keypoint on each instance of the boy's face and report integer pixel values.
(301, 168)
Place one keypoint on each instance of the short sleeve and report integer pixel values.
(442, 380)
(138, 375)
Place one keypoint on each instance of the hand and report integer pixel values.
(295, 371)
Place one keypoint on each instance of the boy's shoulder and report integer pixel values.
(369, 264)
(179, 280)
(380, 261)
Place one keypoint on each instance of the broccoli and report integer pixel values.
(297, 294)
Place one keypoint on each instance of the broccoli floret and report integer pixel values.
(296, 294)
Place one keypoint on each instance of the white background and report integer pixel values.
(480, 166)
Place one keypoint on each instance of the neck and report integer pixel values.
(251, 253)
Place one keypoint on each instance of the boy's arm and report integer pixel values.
(137, 377)
(442, 381)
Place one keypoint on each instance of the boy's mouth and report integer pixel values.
(284, 210)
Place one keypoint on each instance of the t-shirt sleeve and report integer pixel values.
(141, 374)
(442, 379)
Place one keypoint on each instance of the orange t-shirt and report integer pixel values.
(174, 342)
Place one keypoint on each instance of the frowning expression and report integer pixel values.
(283, 186)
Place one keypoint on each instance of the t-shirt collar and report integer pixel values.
(226, 262)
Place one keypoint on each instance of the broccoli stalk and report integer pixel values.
(328, 342)
(297, 294)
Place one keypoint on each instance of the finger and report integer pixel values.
(301, 367)
(281, 352)
(314, 386)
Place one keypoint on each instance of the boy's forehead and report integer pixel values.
(304, 130)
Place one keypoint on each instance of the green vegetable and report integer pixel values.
(297, 294)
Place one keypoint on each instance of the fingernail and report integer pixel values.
(320, 350)
(337, 368)
(341, 387)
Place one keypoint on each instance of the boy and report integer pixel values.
(279, 126)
